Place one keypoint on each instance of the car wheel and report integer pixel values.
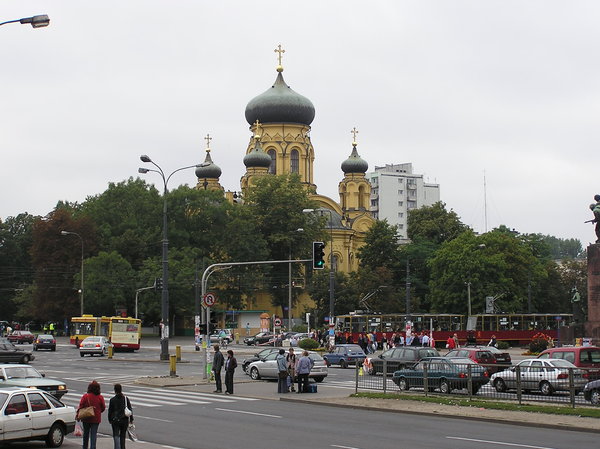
(402, 384)
(373, 370)
(595, 397)
(500, 385)
(104, 351)
(35, 348)
(54, 348)
(343, 364)
(546, 388)
(81, 354)
(475, 389)
(254, 374)
(55, 436)
(319, 379)
(25, 359)
(445, 386)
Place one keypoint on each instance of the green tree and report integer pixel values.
(434, 223)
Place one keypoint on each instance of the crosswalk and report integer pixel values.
(161, 397)
(124, 379)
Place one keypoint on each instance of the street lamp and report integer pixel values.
(468, 283)
(81, 289)
(331, 275)
(35, 21)
(290, 285)
(164, 338)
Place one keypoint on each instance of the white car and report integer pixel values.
(94, 345)
(266, 367)
(30, 414)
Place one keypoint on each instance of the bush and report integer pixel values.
(308, 344)
(503, 345)
(539, 342)
(299, 328)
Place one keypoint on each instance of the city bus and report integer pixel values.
(514, 328)
(124, 333)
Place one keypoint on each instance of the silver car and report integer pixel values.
(30, 414)
(266, 368)
(94, 345)
(547, 376)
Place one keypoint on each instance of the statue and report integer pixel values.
(595, 208)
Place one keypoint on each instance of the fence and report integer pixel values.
(538, 381)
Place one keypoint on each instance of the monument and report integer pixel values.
(592, 326)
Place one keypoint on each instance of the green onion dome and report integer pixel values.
(355, 164)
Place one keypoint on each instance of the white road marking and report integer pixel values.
(211, 396)
(248, 413)
(192, 400)
(500, 443)
(343, 447)
(153, 419)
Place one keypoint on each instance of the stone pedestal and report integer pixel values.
(592, 326)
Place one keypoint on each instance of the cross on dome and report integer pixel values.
(280, 51)
(354, 132)
(208, 139)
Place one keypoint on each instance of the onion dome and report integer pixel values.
(257, 157)
(280, 104)
(354, 164)
(208, 169)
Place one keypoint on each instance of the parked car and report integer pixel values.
(21, 337)
(547, 376)
(481, 356)
(31, 414)
(345, 355)
(581, 356)
(257, 356)
(44, 341)
(443, 374)
(215, 336)
(27, 376)
(94, 345)
(398, 358)
(10, 353)
(503, 359)
(258, 339)
(591, 392)
(266, 367)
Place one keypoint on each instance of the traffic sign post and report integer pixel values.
(209, 299)
(277, 322)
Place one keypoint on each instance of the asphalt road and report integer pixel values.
(194, 418)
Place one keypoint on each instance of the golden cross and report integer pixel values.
(208, 139)
(256, 131)
(280, 51)
(354, 133)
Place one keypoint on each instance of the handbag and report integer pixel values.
(131, 433)
(86, 412)
(127, 410)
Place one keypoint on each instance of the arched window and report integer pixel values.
(361, 197)
(294, 162)
(272, 167)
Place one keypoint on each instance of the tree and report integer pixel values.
(434, 223)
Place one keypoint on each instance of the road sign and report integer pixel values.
(277, 322)
(209, 299)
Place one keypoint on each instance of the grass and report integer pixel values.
(482, 403)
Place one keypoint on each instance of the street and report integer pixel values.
(192, 417)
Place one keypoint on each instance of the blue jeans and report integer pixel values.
(90, 429)
(119, 429)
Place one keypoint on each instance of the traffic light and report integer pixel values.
(158, 284)
(318, 255)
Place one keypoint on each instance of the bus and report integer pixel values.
(514, 328)
(124, 333)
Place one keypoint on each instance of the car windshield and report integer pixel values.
(314, 356)
(21, 372)
(50, 337)
(560, 363)
(354, 348)
(92, 340)
(463, 361)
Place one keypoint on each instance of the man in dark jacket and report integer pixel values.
(230, 366)
(118, 416)
(218, 361)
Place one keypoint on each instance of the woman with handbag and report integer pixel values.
(89, 413)
(120, 415)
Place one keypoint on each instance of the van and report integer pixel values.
(587, 357)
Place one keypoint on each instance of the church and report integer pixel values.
(280, 123)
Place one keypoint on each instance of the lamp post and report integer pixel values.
(164, 338)
(35, 21)
(331, 275)
(290, 285)
(81, 289)
(468, 284)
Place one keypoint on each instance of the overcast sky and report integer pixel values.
(458, 88)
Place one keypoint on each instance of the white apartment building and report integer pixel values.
(396, 190)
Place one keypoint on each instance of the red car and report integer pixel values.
(480, 356)
(21, 337)
(586, 357)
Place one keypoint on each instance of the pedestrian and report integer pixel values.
(120, 415)
(456, 343)
(492, 341)
(247, 329)
(291, 361)
(303, 368)
(425, 340)
(282, 372)
(450, 343)
(94, 399)
(218, 361)
(230, 366)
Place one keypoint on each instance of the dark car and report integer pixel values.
(21, 337)
(259, 355)
(259, 339)
(44, 341)
(345, 355)
(10, 353)
(591, 392)
(399, 358)
(587, 357)
(482, 356)
(443, 374)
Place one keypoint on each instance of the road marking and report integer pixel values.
(500, 443)
(248, 413)
(179, 397)
(153, 419)
(343, 447)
